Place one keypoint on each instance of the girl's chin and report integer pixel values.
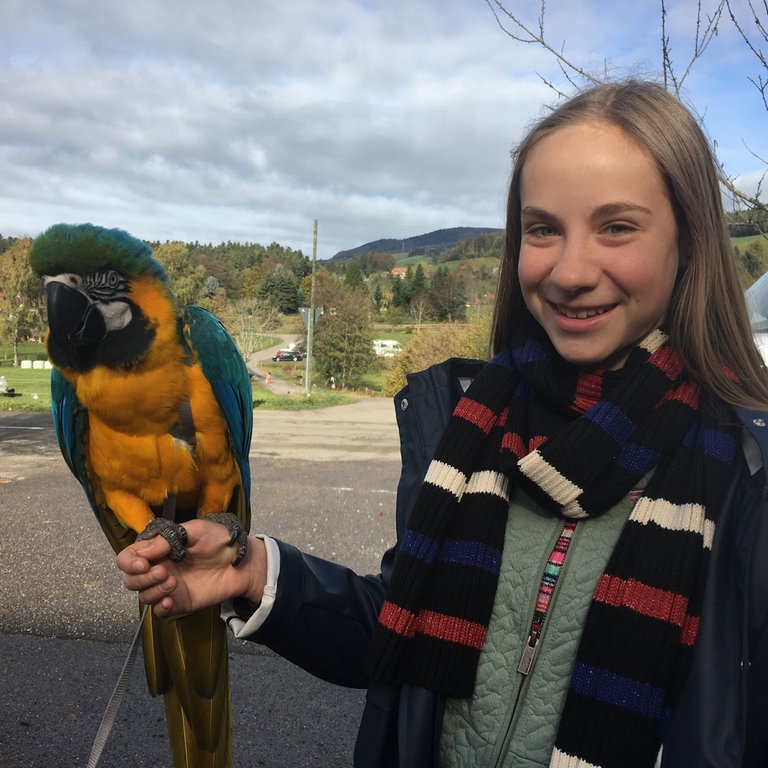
(594, 359)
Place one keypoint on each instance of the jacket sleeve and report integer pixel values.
(323, 613)
(323, 616)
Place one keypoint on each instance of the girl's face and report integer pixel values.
(599, 252)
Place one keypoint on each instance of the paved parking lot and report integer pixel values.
(322, 479)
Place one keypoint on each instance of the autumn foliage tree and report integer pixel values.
(20, 297)
(343, 338)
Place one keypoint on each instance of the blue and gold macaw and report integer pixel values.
(153, 414)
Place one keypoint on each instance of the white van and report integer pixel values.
(386, 347)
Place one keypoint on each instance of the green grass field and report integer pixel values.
(32, 385)
(742, 242)
(33, 389)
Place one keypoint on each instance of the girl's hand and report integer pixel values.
(203, 578)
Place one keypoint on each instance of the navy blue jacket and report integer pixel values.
(324, 613)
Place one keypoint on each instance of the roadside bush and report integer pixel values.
(435, 344)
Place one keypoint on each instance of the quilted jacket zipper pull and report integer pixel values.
(529, 652)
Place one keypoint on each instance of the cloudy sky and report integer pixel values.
(245, 120)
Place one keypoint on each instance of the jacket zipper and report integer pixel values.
(548, 584)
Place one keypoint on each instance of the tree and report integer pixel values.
(343, 339)
(353, 275)
(447, 295)
(400, 296)
(376, 261)
(21, 297)
(752, 26)
(187, 281)
(416, 280)
(417, 307)
(517, 29)
(281, 290)
(753, 260)
(378, 296)
(754, 42)
(211, 286)
(293, 261)
(411, 293)
(248, 321)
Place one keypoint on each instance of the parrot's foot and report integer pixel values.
(238, 534)
(172, 532)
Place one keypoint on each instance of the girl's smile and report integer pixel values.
(582, 314)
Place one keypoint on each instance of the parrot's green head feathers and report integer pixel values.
(83, 248)
(94, 315)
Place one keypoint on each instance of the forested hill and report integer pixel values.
(441, 239)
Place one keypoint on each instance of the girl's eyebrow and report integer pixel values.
(532, 212)
(615, 209)
(601, 212)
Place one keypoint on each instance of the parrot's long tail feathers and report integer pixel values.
(185, 750)
(186, 660)
(158, 675)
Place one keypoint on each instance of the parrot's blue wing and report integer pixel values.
(69, 423)
(223, 365)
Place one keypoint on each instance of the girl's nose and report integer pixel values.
(575, 268)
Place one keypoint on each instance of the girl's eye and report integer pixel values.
(618, 228)
(540, 230)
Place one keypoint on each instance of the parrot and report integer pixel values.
(153, 413)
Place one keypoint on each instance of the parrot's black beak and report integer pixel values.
(72, 318)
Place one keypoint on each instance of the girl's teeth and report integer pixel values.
(580, 314)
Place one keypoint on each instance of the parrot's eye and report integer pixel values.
(106, 284)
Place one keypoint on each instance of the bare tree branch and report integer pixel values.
(761, 82)
(515, 28)
(702, 39)
(706, 30)
(760, 29)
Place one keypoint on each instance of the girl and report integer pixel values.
(580, 577)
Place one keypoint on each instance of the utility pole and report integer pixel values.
(311, 318)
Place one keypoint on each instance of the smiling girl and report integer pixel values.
(581, 573)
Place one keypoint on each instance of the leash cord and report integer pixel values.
(110, 714)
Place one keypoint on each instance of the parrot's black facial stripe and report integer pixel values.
(106, 285)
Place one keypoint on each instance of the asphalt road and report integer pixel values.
(322, 479)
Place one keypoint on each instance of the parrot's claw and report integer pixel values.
(172, 532)
(238, 534)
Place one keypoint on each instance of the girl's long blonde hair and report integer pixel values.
(707, 319)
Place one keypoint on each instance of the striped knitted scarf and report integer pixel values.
(578, 442)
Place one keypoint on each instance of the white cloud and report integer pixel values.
(245, 121)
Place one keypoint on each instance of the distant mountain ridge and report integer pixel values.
(442, 238)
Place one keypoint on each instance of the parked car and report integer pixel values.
(757, 305)
(288, 354)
